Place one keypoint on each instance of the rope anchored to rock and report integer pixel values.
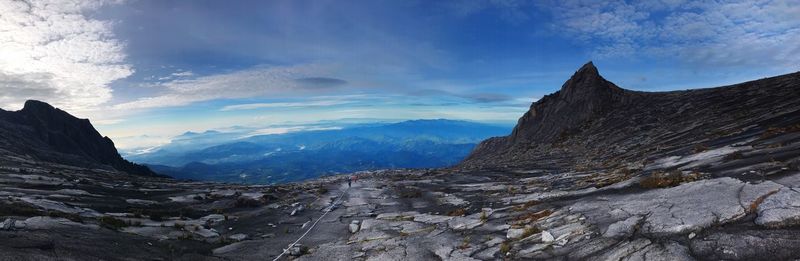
(326, 211)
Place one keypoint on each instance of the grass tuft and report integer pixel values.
(667, 179)
(112, 222)
(457, 212)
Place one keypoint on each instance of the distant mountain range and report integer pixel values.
(232, 157)
(41, 133)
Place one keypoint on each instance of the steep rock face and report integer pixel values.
(582, 97)
(50, 134)
(591, 122)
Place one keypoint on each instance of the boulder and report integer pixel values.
(7, 224)
(298, 250)
(237, 237)
(781, 209)
(547, 237)
(623, 228)
(353, 228)
(355, 225)
(513, 233)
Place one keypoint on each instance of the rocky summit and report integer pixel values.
(41, 132)
(590, 123)
(591, 172)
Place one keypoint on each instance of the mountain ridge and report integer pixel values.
(307, 154)
(51, 134)
(589, 121)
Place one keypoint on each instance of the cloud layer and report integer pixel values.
(50, 50)
(717, 33)
(264, 82)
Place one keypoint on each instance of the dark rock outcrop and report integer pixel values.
(591, 122)
(581, 98)
(49, 134)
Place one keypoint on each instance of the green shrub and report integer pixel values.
(700, 148)
(457, 212)
(667, 179)
(530, 231)
(505, 247)
(112, 222)
(409, 192)
(18, 209)
(733, 156)
(70, 216)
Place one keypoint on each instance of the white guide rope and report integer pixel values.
(337, 201)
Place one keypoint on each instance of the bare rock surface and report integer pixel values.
(781, 209)
(593, 172)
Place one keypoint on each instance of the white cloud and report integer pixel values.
(283, 130)
(254, 82)
(183, 74)
(512, 11)
(307, 104)
(50, 50)
(725, 33)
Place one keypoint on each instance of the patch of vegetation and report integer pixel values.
(457, 212)
(267, 197)
(667, 179)
(178, 226)
(699, 148)
(775, 131)
(409, 192)
(775, 145)
(245, 202)
(599, 180)
(19, 209)
(525, 219)
(733, 156)
(754, 206)
(512, 190)
(464, 243)
(112, 222)
(505, 247)
(525, 206)
(72, 217)
(484, 217)
(162, 214)
(156, 215)
(529, 231)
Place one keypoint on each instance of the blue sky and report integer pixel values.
(144, 71)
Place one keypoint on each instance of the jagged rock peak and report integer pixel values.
(54, 135)
(40, 109)
(37, 105)
(587, 83)
(588, 69)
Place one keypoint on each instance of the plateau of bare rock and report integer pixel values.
(591, 172)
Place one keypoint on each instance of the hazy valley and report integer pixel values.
(277, 158)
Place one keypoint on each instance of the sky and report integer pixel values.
(144, 71)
